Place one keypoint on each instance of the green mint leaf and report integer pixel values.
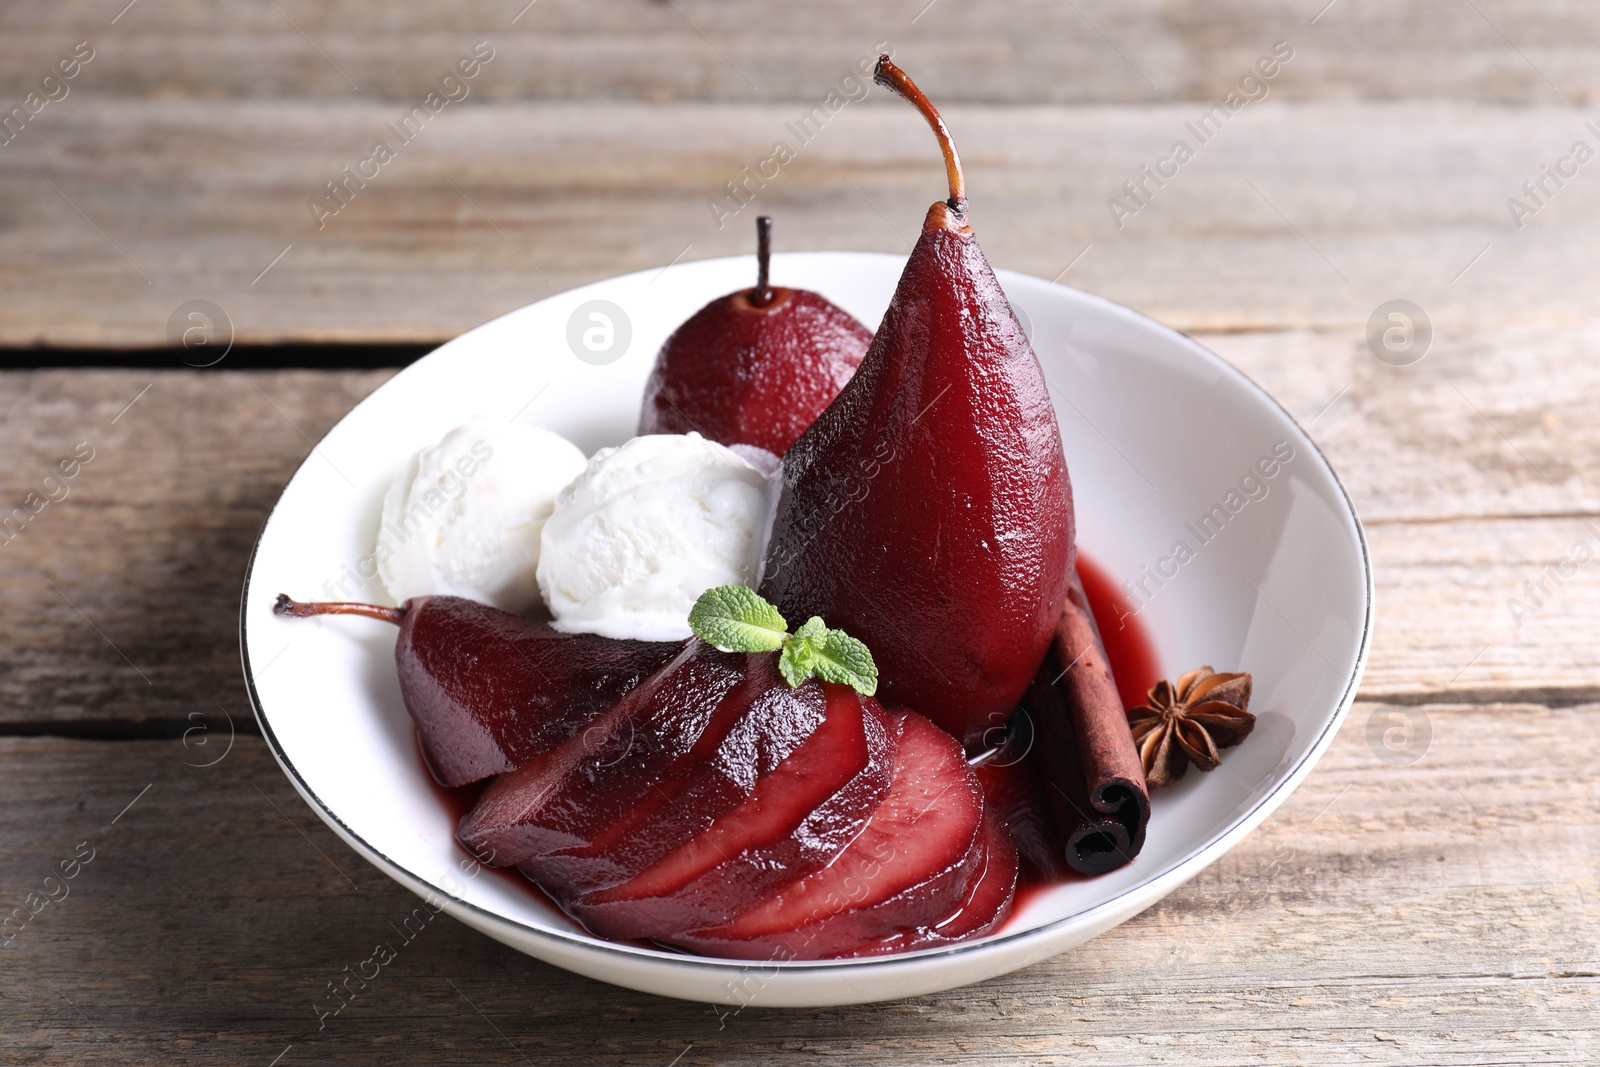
(800, 650)
(847, 661)
(812, 630)
(832, 655)
(734, 618)
(795, 662)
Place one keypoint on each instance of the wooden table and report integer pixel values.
(1431, 905)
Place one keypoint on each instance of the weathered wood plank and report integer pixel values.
(151, 540)
(1295, 215)
(1445, 624)
(1016, 51)
(1470, 470)
(1437, 912)
(1396, 915)
(1492, 421)
(122, 597)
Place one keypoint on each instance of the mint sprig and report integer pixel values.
(734, 618)
(802, 652)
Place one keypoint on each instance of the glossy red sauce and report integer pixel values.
(456, 803)
(1128, 646)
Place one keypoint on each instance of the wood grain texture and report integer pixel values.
(123, 597)
(1505, 51)
(1435, 912)
(1294, 216)
(1492, 422)
(1388, 915)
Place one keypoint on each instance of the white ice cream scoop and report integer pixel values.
(463, 518)
(647, 528)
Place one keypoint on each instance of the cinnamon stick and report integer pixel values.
(1009, 775)
(1087, 760)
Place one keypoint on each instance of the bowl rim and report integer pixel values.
(1179, 873)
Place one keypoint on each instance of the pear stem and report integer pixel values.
(899, 82)
(296, 609)
(761, 295)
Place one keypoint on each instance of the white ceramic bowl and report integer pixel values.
(1157, 431)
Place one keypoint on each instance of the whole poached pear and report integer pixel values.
(927, 510)
(754, 367)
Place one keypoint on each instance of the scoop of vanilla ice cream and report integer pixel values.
(463, 518)
(647, 528)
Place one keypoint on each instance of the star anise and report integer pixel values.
(1190, 722)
